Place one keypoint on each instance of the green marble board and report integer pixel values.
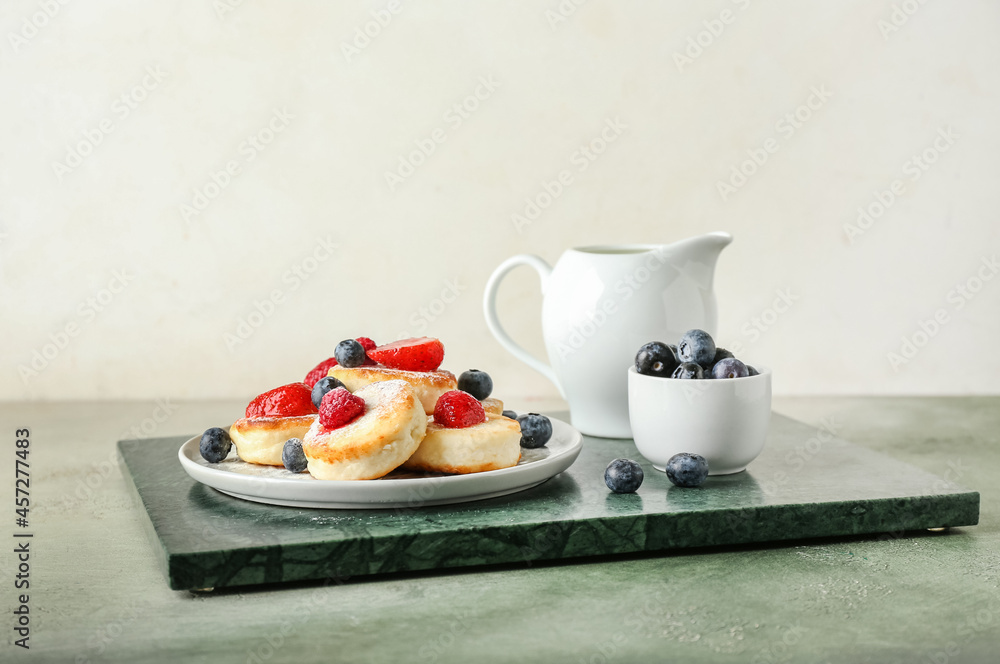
(805, 484)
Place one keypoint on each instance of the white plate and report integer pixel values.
(277, 486)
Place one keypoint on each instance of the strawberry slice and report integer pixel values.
(422, 354)
(320, 371)
(292, 400)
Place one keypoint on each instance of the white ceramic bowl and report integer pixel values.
(724, 420)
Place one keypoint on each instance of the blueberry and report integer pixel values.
(349, 353)
(623, 476)
(655, 359)
(535, 430)
(721, 354)
(697, 346)
(477, 383)
(688, 370)
(293, 457)
(687, 470)
(215, 444)
(509, 413)
(730, 368)
(322, 386)
(751, 371)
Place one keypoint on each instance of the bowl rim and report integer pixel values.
(761, 372)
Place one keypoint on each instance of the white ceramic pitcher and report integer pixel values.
(602, 303)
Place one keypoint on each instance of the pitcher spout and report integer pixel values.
(696, 257)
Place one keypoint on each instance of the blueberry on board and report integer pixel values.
(688, 370)
(215, 445)
(687, 470)
(623, 476)
(655, 359)
(697, 346)
(322, 386)
(730, 368)
(751, 371)
(477, 383)
(535, 430)
(510, 414)
(349, 353)
(292, 455)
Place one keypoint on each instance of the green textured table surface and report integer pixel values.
(806, 483)
(98, 594)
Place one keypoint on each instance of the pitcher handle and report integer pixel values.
(493, 322)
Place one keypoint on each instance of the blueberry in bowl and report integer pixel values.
(697, 346)
(655, 359)
(721, 354)
(713, 405)
(730, 367)
(688, 371)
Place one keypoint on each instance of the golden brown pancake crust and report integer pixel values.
(492, 406)
(261, 439)
(375, 443)
(491, 445)
(272, 423)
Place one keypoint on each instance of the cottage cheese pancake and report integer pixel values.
(494, 444)
(260, 439)
(374, 444)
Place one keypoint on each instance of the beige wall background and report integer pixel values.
(168, 169)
